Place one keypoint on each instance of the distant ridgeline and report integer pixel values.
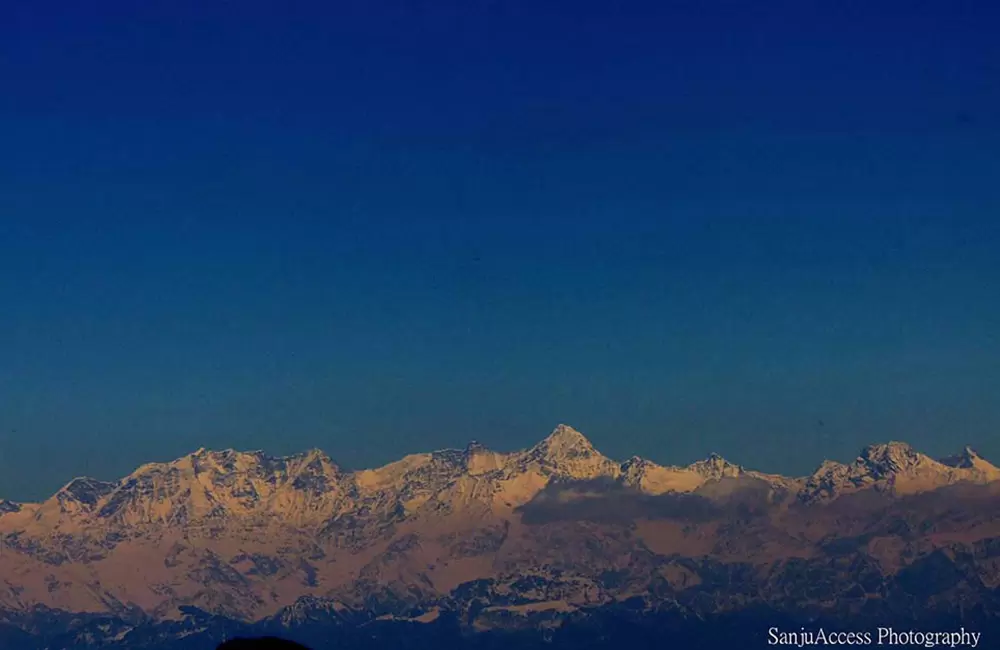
(553, 546)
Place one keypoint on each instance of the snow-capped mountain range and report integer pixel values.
(249, 536)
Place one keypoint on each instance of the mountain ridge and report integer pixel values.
(556, 449)
(555, 527)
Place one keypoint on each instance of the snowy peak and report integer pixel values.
(634, 468)
(83, 492)
(312, 472)
(479, 459)
(78, 498)
(309, 488)
(251, 464)
(651, 478)
(977, 468)
(646, 476)
(314, 459)
(895, 467)
(892, 458)
(475, 447)
(518, 537)
(565, 441)
(567, 452)
(970, 459)
(716, 467)
(314, 454)
(205, 484)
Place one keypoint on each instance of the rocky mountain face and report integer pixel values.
(474, 540)
(898, 468)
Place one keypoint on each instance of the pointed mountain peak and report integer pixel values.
(568, 451)
(967, 458)
(828, 465)
(972, 457)
(897, 468)
(475, 447)
(891, 447)
(229, 455)
(84, 490)
(480, 459)
(891, 457)
(636, 469)
(565, 438)
(634, 461)
(312, 454)
(314, 462)
(715, 466)
(83, 484)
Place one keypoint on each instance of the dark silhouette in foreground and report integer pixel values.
(261, 643)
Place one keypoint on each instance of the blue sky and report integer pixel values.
(387, 227)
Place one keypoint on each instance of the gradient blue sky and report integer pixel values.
(383, 227)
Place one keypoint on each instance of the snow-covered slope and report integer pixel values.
(244, 533)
